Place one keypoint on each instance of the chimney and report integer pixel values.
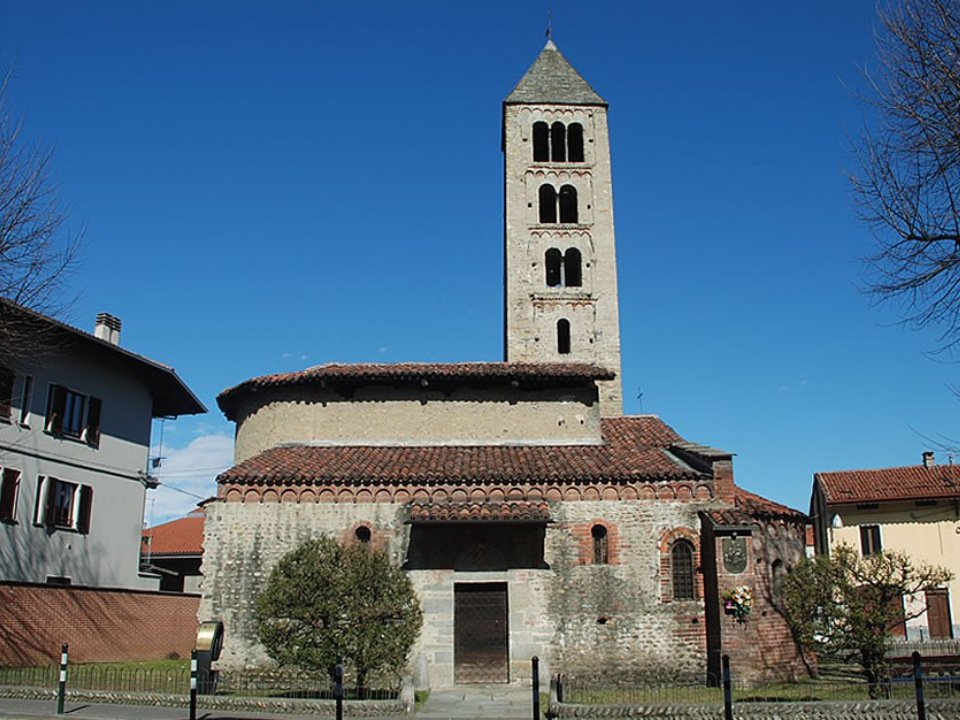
(928, 459)
(107, 328)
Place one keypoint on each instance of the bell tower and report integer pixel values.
(560, 260)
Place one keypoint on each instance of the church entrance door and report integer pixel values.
(480, 633)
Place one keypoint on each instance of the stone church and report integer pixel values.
(532, 516)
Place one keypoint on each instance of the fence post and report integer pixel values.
(535, 662)
(727, 695)
(193, 684)
(62, 689)
(918, 685)
(338, 688)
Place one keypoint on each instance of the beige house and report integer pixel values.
(914, 509)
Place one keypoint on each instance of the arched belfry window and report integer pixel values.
(541, 142)
(563, 269)
(572, 273)
(600, 547)
(548, 204)
(554, 206)
(557, 142)
(563, 336)
(575, 142)
(553, 261)
(682, 570)
(568, 204)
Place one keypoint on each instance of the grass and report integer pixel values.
(161, 676)
(835, 683)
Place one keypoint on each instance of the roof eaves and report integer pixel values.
(161, 377)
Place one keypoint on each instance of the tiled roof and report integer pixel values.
(750, 508)
(552, 80)
(508, 511)
(730, 517)
(914, 482)
(177, 537)
(761, 507)
(392, 373)
(634, 448)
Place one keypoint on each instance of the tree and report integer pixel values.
(846, 603)
(907, 188)
(325, 601)
(37, 251)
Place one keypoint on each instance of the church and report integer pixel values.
(532, 516)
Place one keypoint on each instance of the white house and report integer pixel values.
(75, 421)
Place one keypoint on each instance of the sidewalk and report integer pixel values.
(487, 702)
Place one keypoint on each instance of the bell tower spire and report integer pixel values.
(560, 260)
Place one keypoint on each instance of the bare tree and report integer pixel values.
(37, 250)
(908, 185)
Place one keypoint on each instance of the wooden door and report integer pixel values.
(938, 614)
(480, 633)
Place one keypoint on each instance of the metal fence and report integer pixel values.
(175, 680)
(939, 680)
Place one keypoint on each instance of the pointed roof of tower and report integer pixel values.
(552, 80)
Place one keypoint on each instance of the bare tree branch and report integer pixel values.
(909, 164)
(38, 253)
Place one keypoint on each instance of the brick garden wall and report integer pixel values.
(99, 625)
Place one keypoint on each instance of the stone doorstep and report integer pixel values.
(353, 708)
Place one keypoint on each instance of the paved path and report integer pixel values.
(485, 702)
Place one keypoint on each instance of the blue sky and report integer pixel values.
(270, 186)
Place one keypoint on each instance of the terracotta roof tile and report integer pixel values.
(634, 448)
(912, 482)
(750, 508)
(508, 511)
(730, 517)
(761, 507)
(177, 537)
(353, 373)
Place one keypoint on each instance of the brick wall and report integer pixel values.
(99, 625)
(762, 648)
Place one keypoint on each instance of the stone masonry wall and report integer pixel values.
(244, 541)
(403, 416)
(615, 617)
(575, 615)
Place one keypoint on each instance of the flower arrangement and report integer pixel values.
(738, 602)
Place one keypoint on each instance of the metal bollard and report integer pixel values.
(193, 684)
(727, 694)
(338, 688)
(535, 662)
(62, 690)
(918, 685)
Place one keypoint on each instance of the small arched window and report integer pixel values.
(563, 336)
(548, 204)
(568, 204)
(575, 142)
(541, 142)
(572, 275)
(681, 565)
(600, 551)
(558, 142)
(362, 534)
(553, 261)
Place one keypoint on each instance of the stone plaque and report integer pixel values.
(735, 554)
